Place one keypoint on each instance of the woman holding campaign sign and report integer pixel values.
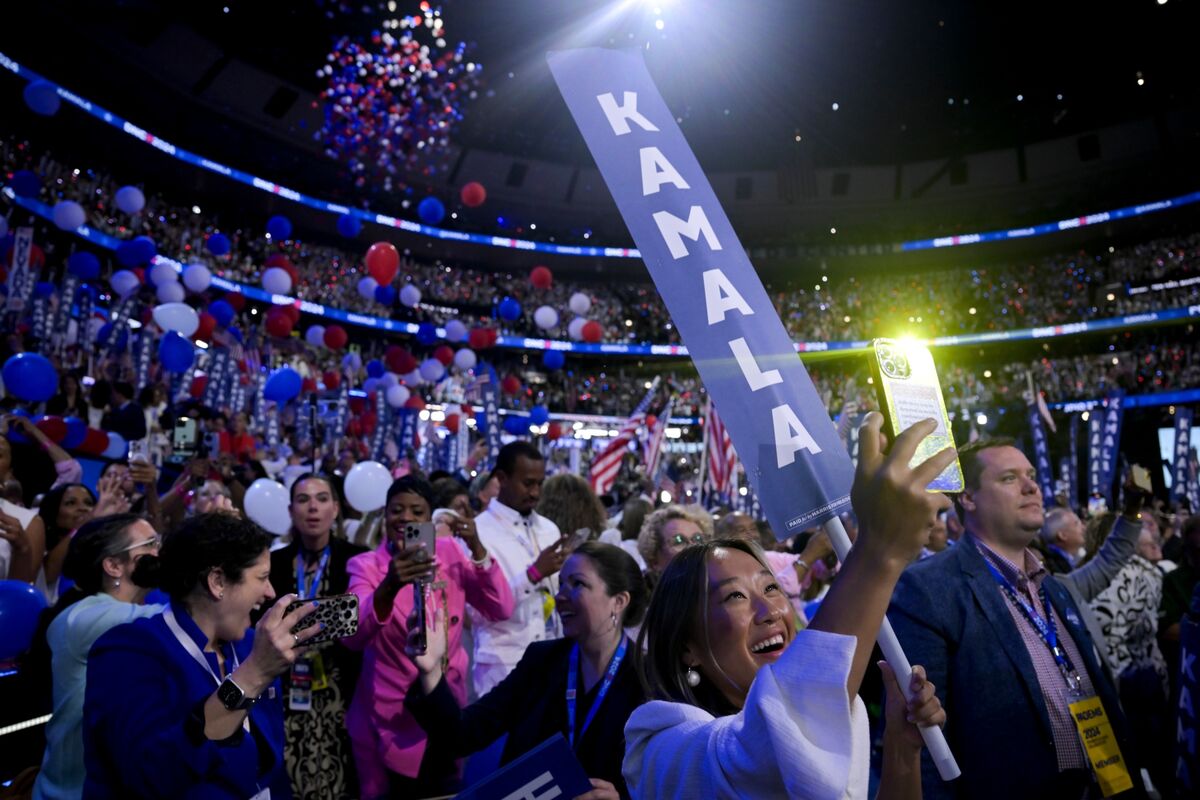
(583, 686)
(743, 704)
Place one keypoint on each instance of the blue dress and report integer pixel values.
(143, 721)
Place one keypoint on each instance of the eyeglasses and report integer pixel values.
(695, 538)
(155, 542)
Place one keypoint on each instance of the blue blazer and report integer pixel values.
(142, 721)
(951, 619)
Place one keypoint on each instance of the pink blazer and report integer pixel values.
(377, 715)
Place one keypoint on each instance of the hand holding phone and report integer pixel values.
(338, 615)
(577, 538)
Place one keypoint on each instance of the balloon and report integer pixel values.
(592, 331)
(276, 280)
(465, 359)
(539, 415)
(94, 443)
(175, 352)
(178, 317)
(76, 431)
(266, 503)
(84, 265)
(473, 194)
(43, 289)
(315, 335)
(282, 385)
(54, 427)
(383, 261)
(554, 431)
(208, 324)
(367, 287)
(545, 318)
(410, 295)
(580, 303)
(163, 273)
(375, 368)
(130, 199)
(237, 300)
(399, 360)
(336, 337)
(291, 312)
(106, 331)
(30, 377)
(385, 295)
(366, 486)
(511, 384)
(124, 282)
(389, 380)
(279, 227)
(370, 385)
(21, 606)
(117, 448)
(144, 249)
(431, 211)
(415, 402)
(432, 370)
(68, 215)
(127, 255)
(351, 361)
(397, 396)
(331, 379)
(42, 98)
(236, 333)
(198, 384)
(445, 354)
(553, 359)
(222, 311)
(541, 277)
(218, 244)
(26, 184)
(510, 310)
(278, 324)
(456, 331)
(427, 333)
(575, 329)
(452, 422)
(516, 425)
(197, 277)
(479, 339)
(349, 225)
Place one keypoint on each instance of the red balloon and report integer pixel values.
(54, 427)
(452, 423)
(444, 354)
(479, 339)
(493, 336)
(331, 379)
(473, 194)
(592, 331)
(208, 324)
(541, 277)
(415, 401)
(354, 428)
(336, 337)
(399, 360)
(278, 260)
(141, 273)
(198, 384)
(237, 300)
(383, 261)
(95, 443)
(369, 419)
(279, 325)
(511, 384)
(308, 385)
(554, 431)
(292, 313)
(651, 420)
(358, 404)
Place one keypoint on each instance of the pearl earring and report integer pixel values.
(613, 617)
(692, 678)
(116, 583)
(220, 595)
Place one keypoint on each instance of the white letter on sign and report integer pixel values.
(720, 296)
(656, 171)
(673, 229)
(754, 376)
(529, 790)
(620, 115)
(790, 436)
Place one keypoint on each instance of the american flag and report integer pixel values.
(606, 465)
(473, 387)
(722, 459)
(654, 445)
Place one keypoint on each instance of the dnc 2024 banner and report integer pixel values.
(782, 432)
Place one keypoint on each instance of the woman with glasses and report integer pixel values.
(101, 559)
(665, 533)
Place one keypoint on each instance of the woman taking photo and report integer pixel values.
(186, 704)
(317, 753)
(583, 685)
(742, 705)
(390, 748)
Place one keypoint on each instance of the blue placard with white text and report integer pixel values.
(547, 771)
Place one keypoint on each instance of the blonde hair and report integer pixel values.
(649, 540)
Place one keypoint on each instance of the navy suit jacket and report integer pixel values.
(951, 619)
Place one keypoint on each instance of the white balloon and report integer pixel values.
(432, 370)
(366, 486)
(170, 293)
(410, 295)
(315, 335)
(413, 378)
(370, 384)
(390, 379)
(197, 277)
(367, 287)
(465, 359)
(162, 273)
(352, 361)
(178, 317)
(276, 280)
(580, 303)
(266, 503)
(456, 331)
(124, 282)
(68, 215)
(397, 396)
(575, 329)
(130, 199)
(545, 317)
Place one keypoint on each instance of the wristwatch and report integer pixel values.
(232, 696)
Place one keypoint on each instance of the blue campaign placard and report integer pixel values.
(547, 771)
(796, 464)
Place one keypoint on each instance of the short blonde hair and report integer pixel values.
(649, 540)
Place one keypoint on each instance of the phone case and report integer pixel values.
(417, 534)
(339, 614)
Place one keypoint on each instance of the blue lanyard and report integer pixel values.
(609, 675)
(310, 590)
(1045, 627)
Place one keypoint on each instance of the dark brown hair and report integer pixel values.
(968, 458)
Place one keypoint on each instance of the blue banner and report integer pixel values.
(1041, 454)
(1072, 463)
(1110, 444)
(84, 330)
(343, 411)
(145, 353)
(491, 417)
(1095, 436)
(548, 771)
(408, 430)
(1187, 728)
(782, 432)
(40, 328)
(378, 436)
(1181, 466)
(215, 373)
(62, 322)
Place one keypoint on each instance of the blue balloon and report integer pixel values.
(14, 434)
(375, 368)
(385, 295)
(117, 448)
(42, 98)
(30, 377)
(25, 183)
(145, 249)
(127, 254)
(280, 227)
(370, 384)
(282, 385)
(236, 333)
(218, 244)
(105, 333)
(43, 289)
(431, 211)
(84, 265)
(20, 607)
(553, 359)
(427, 333)
(349, 225)
(175, 352)
(76, 431)
(539, 415)
(510, 309)
(222, 312)
(516, 425)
